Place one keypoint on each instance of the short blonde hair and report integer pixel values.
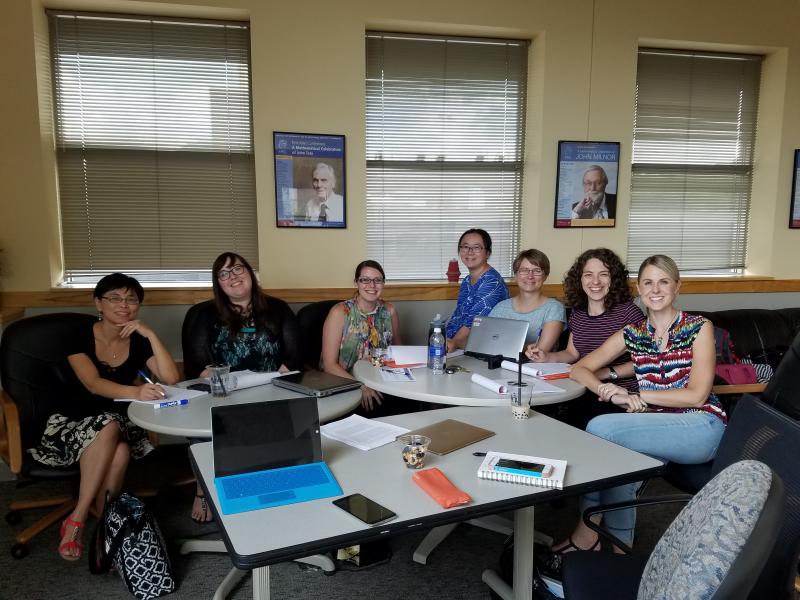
(663, 262)
(535, 257)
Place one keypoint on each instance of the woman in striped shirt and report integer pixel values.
(596, 289)
(674, 417)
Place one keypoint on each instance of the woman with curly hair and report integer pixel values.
(596, 289)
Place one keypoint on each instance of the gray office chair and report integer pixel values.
(715, 549)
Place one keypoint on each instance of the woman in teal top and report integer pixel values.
(545, 315)
(356, 326)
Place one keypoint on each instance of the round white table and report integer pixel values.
(194, 419)
(458, 388)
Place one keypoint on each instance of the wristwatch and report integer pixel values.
(612, 374)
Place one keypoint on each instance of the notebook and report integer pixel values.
(269, 454)
(315, 383)
(490, 336)
(450, 435)
(488, 470)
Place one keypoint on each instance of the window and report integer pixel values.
(694, 135)
(154, 144)
(445, 129)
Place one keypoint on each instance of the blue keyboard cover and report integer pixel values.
(269, 482)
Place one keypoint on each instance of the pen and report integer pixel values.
(169, 403)
(144, 376)
(479, 454)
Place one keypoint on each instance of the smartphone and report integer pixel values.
(364, 509)
(200, 387)
(523, 468)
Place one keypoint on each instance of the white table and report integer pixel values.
(258, 539)
(458, 389)
(194, 419)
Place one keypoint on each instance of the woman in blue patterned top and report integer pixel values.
(481, 289)
(251, 331)
(546, 316)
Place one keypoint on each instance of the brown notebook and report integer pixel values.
(450, 435)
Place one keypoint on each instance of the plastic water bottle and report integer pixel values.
(437, 351)
(437, 322)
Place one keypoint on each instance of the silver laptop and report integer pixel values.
(490, 336)
(316, 383)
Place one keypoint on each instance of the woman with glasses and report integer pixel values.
(92, 429)
(356, 326)
(481, 289)
(248, 330)
(596, 289)
(545, 315)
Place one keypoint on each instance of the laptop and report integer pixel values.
(269, 454)
(315, 383)
(490, 336)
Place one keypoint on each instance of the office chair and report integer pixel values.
(36, 378)
(759, 432)
(311, 318)
(715, 548)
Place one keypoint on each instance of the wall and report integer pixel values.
(308, 75)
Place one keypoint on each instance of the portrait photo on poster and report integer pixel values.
(309, 180)
(794, 211)
(586, 184)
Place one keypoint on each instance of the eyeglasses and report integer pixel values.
(368, 280)
(470, 249)
(129, 300)
(236, 269)
(536, 272)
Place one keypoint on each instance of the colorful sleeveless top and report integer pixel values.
(658, 370)
(362, 331)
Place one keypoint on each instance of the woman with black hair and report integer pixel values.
(92, 430)
(249, 330)
(596, 289)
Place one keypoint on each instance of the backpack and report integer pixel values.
(127, 537)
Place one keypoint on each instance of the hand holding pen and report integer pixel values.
(151, 390)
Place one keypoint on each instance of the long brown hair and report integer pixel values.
(227, 311)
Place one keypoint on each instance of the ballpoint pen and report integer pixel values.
(144, 376)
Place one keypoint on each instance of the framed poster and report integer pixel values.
(586, 184)
(794, 214)
(309, 180)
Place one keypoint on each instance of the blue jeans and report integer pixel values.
(685, 438)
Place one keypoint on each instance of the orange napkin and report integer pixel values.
(440, 488)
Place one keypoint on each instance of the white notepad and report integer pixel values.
(554, 480)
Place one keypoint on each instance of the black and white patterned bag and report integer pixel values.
(128, 537)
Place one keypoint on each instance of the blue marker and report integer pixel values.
(169, 403)
(144, 376)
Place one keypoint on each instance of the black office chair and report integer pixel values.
(36, 378)
(715, 548)
(311, 318)
(759, 432)
(782, 392)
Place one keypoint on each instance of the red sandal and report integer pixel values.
(71, 549)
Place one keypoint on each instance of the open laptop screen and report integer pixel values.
(265, 435)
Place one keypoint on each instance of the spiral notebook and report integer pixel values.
(555, 479)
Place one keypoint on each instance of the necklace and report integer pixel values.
(662, 339)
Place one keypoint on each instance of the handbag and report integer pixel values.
(127, 536)
(737, 374)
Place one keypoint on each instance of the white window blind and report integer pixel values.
(445, 131)
(694, 135)
(154, 144)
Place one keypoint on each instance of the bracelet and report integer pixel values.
(612, 374)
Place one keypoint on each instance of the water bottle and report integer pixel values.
(437, 322)
(437, 351)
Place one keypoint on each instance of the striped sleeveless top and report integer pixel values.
(668, 369)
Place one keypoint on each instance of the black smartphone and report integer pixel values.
(364, 509)
(200, 387)
(524, 468)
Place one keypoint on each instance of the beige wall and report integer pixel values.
(308, 75)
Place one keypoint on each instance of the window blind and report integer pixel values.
(445, 131)
(154, 144)
(694, 135)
